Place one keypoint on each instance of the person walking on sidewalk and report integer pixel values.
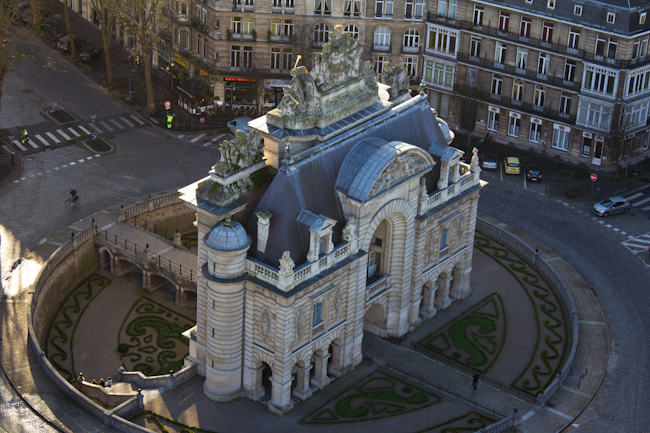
(475, 380)
(170, 120)
(25, 135)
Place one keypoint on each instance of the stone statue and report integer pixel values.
(265, 324)
(403, 166)
(396, 78)
(245, 150)
(338, 301)
(350, 229)
(430, 248)
(474, 165)
(286, 264)
(301, 325)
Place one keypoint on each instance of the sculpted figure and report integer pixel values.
(286, 264)
(245, 150)
(350, 229)
(397, 79)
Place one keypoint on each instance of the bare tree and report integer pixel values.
(68, 26)
(103, 7)
(11, 38)
(620, 145)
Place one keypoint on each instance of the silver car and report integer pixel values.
(611, 205)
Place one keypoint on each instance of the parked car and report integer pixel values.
(489, 161)
(612, 205)
(65, 46)
(466, 158)
(533, 172)
(91, 55)
(511, 165)
(240, 123)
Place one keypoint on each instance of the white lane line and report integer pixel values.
(639, 203)
(137, 119)
(31, 143)
(181, 135)
(105, 125)
(128, 123)
(116, 123)
(95, 127)
(198, 137)
(632, 197)
(575, 391)
(63, 134)
(19, 146)
(557, 412)
(42, 140)
(646, 208)
(74, 132)
(53, 137)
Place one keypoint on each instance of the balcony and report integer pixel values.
(380, 48)
(282, 39)
(410, 50)
(377, 287)
(242, 37)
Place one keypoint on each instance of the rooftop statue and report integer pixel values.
(396, 78)
(245, 150)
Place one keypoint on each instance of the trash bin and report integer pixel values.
(598, 191)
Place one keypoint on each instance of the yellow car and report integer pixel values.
(511, 165)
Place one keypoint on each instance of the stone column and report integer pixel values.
(443, 300)
(177, 239)
(320, 379)
(302, 390)
(428, 308)
(281, 391)
(461, 288)
(336, 368)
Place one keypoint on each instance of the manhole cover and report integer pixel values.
(26, 91)
(61, 116)
(565, 173)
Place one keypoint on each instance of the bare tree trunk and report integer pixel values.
(106, 39)
(151, 106)
(66, 13)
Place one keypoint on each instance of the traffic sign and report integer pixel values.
(202, 119)
(593, 177)
(168, 104)
(94, 135)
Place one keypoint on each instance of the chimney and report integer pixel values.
(263, 226)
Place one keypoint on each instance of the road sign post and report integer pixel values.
(593, 178)
(168, 104)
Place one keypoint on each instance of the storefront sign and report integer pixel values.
(536, 120)
(494, 109)
(515, 115)
(239, 80)
(277, 83)
(587, 135)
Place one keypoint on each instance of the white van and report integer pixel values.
(240, 123)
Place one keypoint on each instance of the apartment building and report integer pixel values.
(569, 79)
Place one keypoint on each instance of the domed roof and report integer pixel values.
(228, 236)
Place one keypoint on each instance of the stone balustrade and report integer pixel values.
(467, 180)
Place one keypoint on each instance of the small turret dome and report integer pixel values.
(228, 235)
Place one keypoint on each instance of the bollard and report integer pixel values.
(13, 158)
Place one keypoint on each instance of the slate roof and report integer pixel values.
(228, 237)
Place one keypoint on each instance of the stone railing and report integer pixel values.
(303, 272)
(149, 205)
(169, 381)
(467, 180)
(377, 287)
(104, 395)
(561, 288)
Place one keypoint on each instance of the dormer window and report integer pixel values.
(611, 17)
(577, 10)
(320, 234)
(642, 17)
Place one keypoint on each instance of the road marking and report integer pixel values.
(63, 134)
(181, 135)
(31, 143)
(72, 163)
(591, 322)
(105, 125)
(638, 244)
(557, 412)
(154, 120)
(42, 140)
(53, 137)
(116, 123)
(7, 148)
(639, 203)
(19, 146)
(575, 391)
(125, 120)
(632, 197)
(75, 133)
(646, 208)
(137, 119)
(198, 137)
(95, 127)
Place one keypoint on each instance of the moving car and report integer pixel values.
(65, 46)
(511, 165)
(533, 172)
(91, 55)
(612, 205)
(240, 123)
(489, 161)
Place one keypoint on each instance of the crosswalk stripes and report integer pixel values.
(85, 130)
(137, 119)
(52, 137)
(31, 143)
(19, 146)
(74, 132)
(128, 123)
(638, 244)
(116, 123)
(42, 140)
(105, 125)
(643, 199)
(198, 137)
(63, 134)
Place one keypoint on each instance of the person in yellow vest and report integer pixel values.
(170, 120)
(25, 135)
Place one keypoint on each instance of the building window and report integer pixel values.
(493, 121)
(642, 17)
(565, 103)
(479, 12)
(235, 57)
(569, 70)
(276, 59)
(414, 9)
(475, 47)
(352, 8)
(499, 52)
(247, 59)
(322, 7)
(547, 32)
(524, 28)
(561, 138)
(412, 38)
(594, 114)
(504, 21)
(443, 40)
(535, 132)
(550, 4)
(443, 239)
(287, 60)
(443, 74)
(539, 96)
(577, 10)
(318, 313)
(600, 46)
(248, 26)
(513, 126)
(321, 33)
(382, 38)
(353, 30)
(235, 25)
(638, 81)
(383, 8)
(636, 114)
(599, 80)
(410, 65)
(497, 85)
(518, 90)
(574, 39)
(543, 63)
(612, 46)
(522, 58)
(276, 27)
(448, 8)
(378, 63)
(611, 17)
(288, 27)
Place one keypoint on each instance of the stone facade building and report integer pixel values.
(358, 217)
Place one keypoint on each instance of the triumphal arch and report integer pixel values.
(344, 210)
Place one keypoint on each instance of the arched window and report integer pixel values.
(382, 37)
(412, 38)
(353, 30)
(321, 33)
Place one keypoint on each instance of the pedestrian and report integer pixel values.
(25, 138)
(475, 380)
(170, 120)
(109, 382)
(101, 382)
